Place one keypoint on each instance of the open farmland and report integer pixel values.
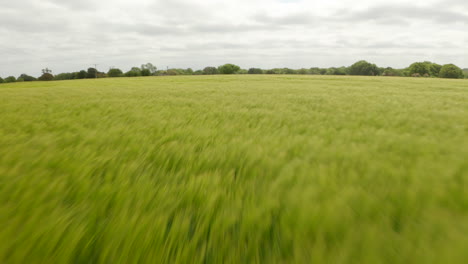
(234, 169)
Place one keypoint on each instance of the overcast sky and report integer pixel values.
(70, 35)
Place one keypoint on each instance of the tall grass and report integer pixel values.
(234, 169)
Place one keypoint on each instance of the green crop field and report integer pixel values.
(234, 169)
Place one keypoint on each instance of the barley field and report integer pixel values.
(234, 169)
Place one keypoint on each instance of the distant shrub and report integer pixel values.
(228, 69)
(133, 73)
(27, 78)
(92, 73)
(145, 72)
(46, 77)
(255, 71)
(451, 71)
(420, 68)
(210, 70)
(172, 72)
(10, 79)
(392, 72)
(81, 74)
(115, 73)
(336, 71)
(364, 68)
(64, 76)
(415, 75)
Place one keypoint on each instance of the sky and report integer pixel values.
(70, 35)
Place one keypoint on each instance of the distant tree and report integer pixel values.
(451, 71)
(434, 69)
(10, 79)
(92, 73)
(1, 80)
(46, 77)
(392, 72)
(314, 71)
(210, 70)
(420, 68)
(198, 72)
(364, 68)
(27, 78)
(289, 71)
(189, 71)
(172, 72)
(145, 72)
(20, 79)
(81, 74)
(64, 76)
(134, 72)
(150, 67)
(302, 71)
(336, 71)
(46, 70)
(228, 69)
(255, 71)
(115, 73)
(271, 71)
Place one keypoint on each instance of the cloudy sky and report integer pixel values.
(70, 35)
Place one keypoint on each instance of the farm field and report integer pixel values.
(234, 169)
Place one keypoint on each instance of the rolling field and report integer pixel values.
(234, 169)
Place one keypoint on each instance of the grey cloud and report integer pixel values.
(70, 35)
(389, 14)
(287, 20)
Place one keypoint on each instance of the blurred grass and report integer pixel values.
(234, 169)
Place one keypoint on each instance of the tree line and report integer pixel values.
(418, 69)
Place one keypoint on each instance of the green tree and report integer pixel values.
(92, 73)
(115, 73)
(451, 71)
(145, 72)
(210, 70)
(150, 67)
(64, 76)
(364, 68)
(27, 78)
(314, 71)
(46, 77)
(10, 79)
(228, 69)
(255, 71)
(1, 80)
(134, 72)
(81, 74)
(392, 72)
(419, 68)
(434, 69)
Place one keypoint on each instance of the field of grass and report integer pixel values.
(234, 169)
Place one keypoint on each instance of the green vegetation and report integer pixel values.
(363, 68)
(451, 71)
(234, 169)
